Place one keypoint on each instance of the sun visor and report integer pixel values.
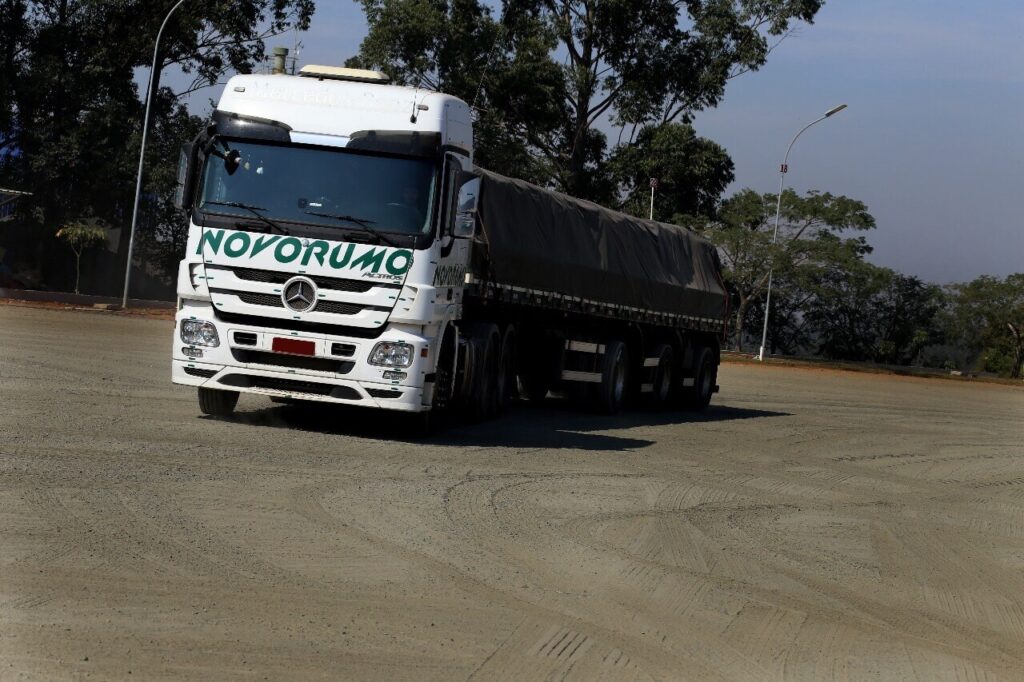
(250, 127)
(401, 142)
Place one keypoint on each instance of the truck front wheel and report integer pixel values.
(217, 403)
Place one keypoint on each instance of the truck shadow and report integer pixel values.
(554, 425)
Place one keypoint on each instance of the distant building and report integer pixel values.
(9, 203)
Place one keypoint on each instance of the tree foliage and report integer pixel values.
(811, 239)
(692, 172)
(548, 74)
(987, 317)
(70, 112)
(865, 312)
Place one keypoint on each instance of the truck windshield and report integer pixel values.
(333, 189)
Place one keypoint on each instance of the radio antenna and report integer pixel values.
(490, 59)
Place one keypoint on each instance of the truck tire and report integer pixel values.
(609, 396)
(217, 403)
(505, 387)
(445, 374)
(663, 376)
(482, 400)
(698, 396)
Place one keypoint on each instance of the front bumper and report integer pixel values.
(245, 362)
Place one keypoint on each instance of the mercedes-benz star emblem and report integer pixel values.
(299, 294)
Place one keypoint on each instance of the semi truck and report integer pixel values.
(344, 248)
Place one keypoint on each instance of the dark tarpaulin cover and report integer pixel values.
(543, 240)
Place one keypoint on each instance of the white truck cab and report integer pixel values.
(328, 241)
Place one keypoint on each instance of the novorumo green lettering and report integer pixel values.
(242, 246)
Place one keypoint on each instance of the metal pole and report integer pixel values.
(775, 233)
(142, 155)
(654, 184)
(771, 271)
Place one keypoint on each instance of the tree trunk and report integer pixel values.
(582, 63)
(78, 269)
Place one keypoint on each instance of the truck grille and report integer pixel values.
(334, 284)
(338, 308)
(332, 307)
(261, 299)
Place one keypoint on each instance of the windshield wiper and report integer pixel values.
(365, 224)
(255, 210)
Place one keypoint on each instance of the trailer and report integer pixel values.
(344, 250)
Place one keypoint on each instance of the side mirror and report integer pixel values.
(186, 177)
(466, 207)
(232, 160)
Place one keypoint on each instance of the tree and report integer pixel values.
(907, 315)
(692, 173)
(987, 317)
(862, 312)
(809, 240)
(163, 228)
(81, 236)
(554, 70)
(503, 69)
(70, 112)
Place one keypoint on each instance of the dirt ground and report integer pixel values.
(811, 525)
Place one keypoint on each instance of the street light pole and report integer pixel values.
(142, 154)
(778, 210)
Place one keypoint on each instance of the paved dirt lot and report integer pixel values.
(811, 525)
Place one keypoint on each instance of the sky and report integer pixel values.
(932, 141)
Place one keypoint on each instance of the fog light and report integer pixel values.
(193, 353)
(199, 333)
(396, 376)
(391, 354)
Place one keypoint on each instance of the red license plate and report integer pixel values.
(294, 346)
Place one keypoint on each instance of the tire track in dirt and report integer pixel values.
(655, 661)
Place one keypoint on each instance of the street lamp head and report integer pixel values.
(834, 110)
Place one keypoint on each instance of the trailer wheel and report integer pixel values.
(698, 396)
(506, 377)
(217, 403)
(610, 395)
(663, 376)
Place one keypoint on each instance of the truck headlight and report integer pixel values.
(391, 354)
(199, 333)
